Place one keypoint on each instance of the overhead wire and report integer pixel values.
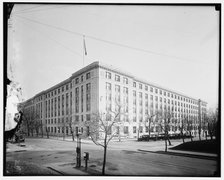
(107, 41)
(49, 37)
(22, 10)
(51, 8)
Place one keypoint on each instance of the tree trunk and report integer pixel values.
(28, 130)
(104, 160)
(169, 140)
(165, 145)
(149, 127)
(37, 132)
(199, 134)
(42, 134)
(138, 133)
(182, 134)
(73, 138)
(211, 136)
(47, 133)
(191, 136)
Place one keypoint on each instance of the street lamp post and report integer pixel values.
(78, 150)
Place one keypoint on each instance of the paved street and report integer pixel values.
(123, 158)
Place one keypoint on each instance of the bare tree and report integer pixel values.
(211, 120)
(29, 121)
(36, 123)
(189, 126)
(182, 127)
(164, 123)
(101, 128)
(71, 128)
(70, 124)
(149, 120)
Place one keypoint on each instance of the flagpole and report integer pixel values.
(83, 53)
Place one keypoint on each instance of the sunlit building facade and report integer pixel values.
(98, 88)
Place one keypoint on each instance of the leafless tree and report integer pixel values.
(182, 127)
(189, 122)
(211, 120)
(149, 120)
(101, 129)
(36, 123)
(164, 123)
(71, 128)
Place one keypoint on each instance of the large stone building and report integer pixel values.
(96, 88)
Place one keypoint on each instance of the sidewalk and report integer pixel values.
(67, 168)
(191, 154)
(18, 168)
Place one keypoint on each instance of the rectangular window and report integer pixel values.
(140, 86)
(146, 87)
(77, 118)
(147, 129)
(140, 95)
(117, 78)
(156, 90)
(125, 80)
(125, 90)
(88, 87)
(108, 86)
(140, 129)
(160, 91)
(117, 88)
(134, 129)
(88, 107)
(151, 97)
(146, 96)
(108, 75)
(134, 84)
(81, 78)
(76, 80)
(125, 129)
(88, 75)
(134, 93)
(88, 117)
(140, 118)
(151, 89)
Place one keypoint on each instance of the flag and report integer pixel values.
(84, 44)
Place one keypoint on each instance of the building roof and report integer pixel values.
(97, 64)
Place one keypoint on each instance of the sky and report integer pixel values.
(176, 47)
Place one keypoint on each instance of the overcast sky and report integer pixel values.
(173, 46)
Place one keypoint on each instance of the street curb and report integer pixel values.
(56, 171)
(182, 154)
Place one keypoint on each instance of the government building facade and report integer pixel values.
(97, 88)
